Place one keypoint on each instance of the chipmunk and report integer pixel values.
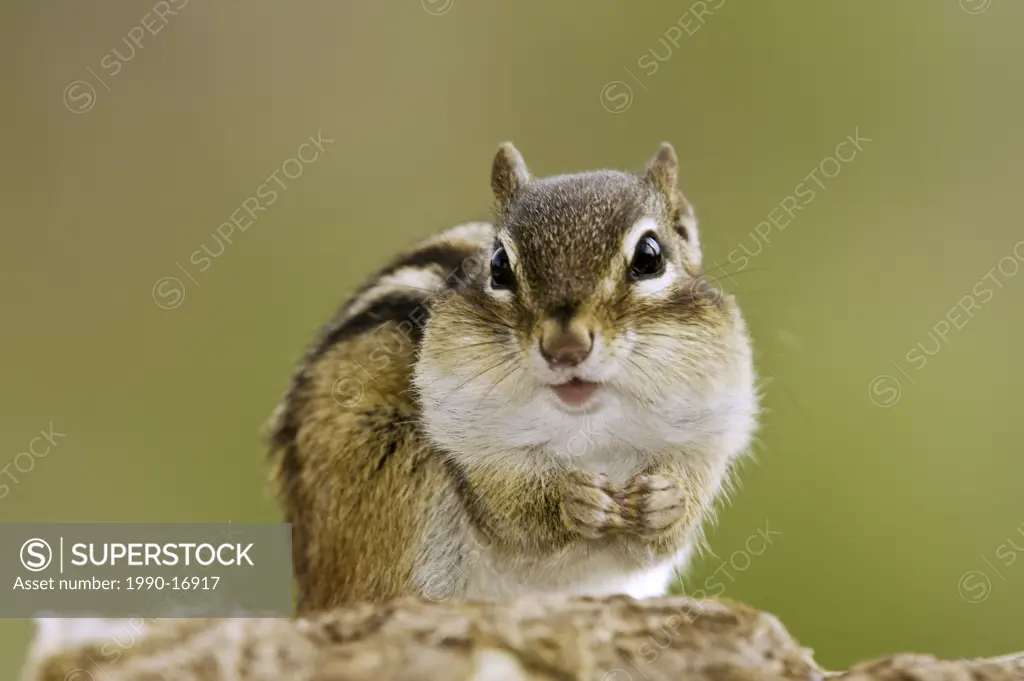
(547, 404)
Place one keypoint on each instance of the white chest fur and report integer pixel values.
(617, 437)
(581, 569)
(578, 570)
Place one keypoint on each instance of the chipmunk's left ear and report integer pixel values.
(663, 173)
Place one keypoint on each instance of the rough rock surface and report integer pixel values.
(556, 639)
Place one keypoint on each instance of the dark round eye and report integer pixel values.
(502, 277)
(648, 260)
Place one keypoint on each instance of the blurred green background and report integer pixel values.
(894, 504)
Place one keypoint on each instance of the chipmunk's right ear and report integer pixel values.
(508, 174)
(662, 171)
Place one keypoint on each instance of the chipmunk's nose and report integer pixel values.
(565, 345)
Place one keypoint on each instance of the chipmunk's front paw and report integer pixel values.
(653, 505)
(590, 507)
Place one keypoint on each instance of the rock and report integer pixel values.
(535, 639)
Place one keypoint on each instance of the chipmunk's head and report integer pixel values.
(588, 309)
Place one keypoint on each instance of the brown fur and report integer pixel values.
(355, 480)
(357, 473)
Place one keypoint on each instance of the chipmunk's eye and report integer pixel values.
(648, 260)
(502, 277)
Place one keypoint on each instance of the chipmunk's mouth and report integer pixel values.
(575, 392)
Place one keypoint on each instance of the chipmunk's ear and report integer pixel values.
(508, 174)
(662, 170)
(663, 173)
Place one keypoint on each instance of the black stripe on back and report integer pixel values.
(444, 256)
(447, 256)
(393, 308)
(410, 306)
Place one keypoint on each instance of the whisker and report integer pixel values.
(480, 344)
(501, 361)
(495, 384)
(632, 362)
(487, 316)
